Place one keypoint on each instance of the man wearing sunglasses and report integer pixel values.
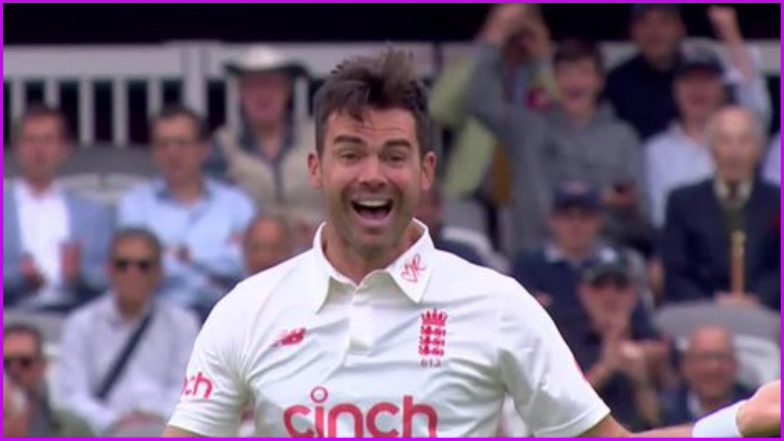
(24, 365)
(93, 383)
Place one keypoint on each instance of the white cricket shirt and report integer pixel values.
(426, 347)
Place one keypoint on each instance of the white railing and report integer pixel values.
(195, 63)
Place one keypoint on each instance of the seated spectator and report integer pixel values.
(641, 88)
(710, 371)
(25, 366)
(771, 171)
(267, 242)
(14, 410)
(199, 220)
(431, 212)
(266, 154)
(679, 155)
(123, 355)
(705, 220)
(620, 354)
(580, 139)
(54, 241)
(552, 272)
(474, 167)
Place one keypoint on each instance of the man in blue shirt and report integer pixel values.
(199, 220)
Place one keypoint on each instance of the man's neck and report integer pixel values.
(694, 129)
(710, 405)
(357, 265)
(581, 116)
(661, 64)
(269, 138)
(186, 192)
(39, 187)
(130, 311)
(574, 255)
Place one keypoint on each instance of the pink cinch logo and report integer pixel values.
(323, 420)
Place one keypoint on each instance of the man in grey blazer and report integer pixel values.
(55, 241)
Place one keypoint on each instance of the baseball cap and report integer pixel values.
(615, 268)
(576, 194)
(265, 59)
(639, 10)
(699, 59)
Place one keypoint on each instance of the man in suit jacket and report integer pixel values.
(701, 219)
(54, 241)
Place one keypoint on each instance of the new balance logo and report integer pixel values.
(290, 338)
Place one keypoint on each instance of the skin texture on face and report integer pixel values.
(608, 302)
(177, 150)
(735, 144)
(266, 245)
(264, 97)
(134, 282)
(709, 366)
(41, 149)
(575, 229)
(698, 94)
(22, 345)
(657, 35)
(579, 84)
(371, 173)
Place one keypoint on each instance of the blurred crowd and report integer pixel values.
(608, 195)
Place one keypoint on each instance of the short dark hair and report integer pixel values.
(177, 111)
(40, 111)
(573, 50)
(387, 81)
(131, 233)
(26, 329)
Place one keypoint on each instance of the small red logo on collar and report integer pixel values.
(413, 269)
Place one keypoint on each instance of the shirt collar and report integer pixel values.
(161, 190)
(116, 319)
(601, 252)
(25, 191)
(723, 192)
(411, 271)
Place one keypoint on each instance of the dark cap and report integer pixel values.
(700, 59)
(576, 194)
(639, 10)
(613, 267)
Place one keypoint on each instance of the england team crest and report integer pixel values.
(432, 338)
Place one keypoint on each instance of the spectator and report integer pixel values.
(95, 382)
(679, 155)
(199, 220)
(641, 88)
(710, 370)
(267, 242)
(702, 219)
(475, 168)
(431, 212)
(579, 140)
(267, 154)
(14, 410)
(25, 365)
(771, 171)
(552, 272)
(54, 241)
(620, 354)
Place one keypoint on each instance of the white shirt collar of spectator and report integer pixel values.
(162, 190)
(115, 318)
(410, 272)
(25, 191)
(601, 251)
(723, 191)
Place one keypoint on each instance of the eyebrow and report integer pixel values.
(396, 142)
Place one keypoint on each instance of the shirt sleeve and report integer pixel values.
(214, 389)
(540, 373)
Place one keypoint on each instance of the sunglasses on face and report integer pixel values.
(143, 265)
(25, 362)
